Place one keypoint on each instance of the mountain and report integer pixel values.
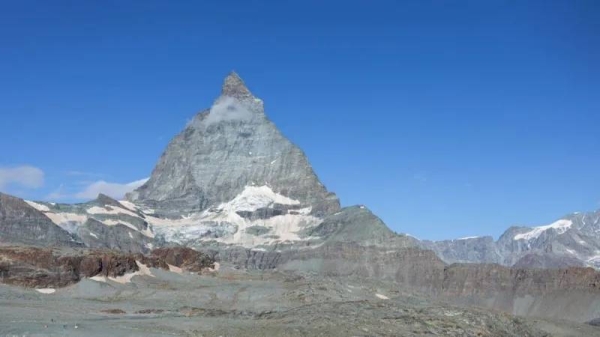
(229, 179)
(233, 150)
(573, 240)
(231, 183)
(231, 188)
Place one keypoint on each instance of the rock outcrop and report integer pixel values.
(181, 257)
(53, 268)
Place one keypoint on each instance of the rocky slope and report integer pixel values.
(100, 223)
(573, 240)
(19, 222)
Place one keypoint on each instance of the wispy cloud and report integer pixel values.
(226, 109)
(76, 173)
(58, 194)
(114, 190)
(23, 176)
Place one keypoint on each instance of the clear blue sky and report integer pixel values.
(446, 118)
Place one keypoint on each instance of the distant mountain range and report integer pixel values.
(573, 240)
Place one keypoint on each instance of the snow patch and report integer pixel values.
(128, 204)
(67, 221)
(255, 197)
(560, 226)
(94, 235)
(594, 258)
(39, 207)
(111, 222)
(46, 290)
(383, 297)
(175, 269)
(230, 227)
(468, 238)
(143, 271)
(216, 267)
(110, 210)
(98, 278)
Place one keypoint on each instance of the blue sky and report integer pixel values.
(447, 119)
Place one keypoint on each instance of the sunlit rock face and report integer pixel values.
(223, 151)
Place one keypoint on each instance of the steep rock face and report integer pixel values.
(22, 223)
(224, 150)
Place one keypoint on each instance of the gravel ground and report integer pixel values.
(239, 303)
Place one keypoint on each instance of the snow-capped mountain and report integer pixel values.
(226, 150)
(572, 240)
(230, 180)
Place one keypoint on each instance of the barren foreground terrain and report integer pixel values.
(233, 302)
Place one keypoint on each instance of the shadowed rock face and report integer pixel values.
(21, 223)
(185, 258)
(224, 149)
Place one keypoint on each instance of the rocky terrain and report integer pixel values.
(231, 192)
(253, 303)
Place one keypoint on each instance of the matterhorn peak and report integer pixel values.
(234, 86)
(226, 150)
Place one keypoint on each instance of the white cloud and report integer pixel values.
(227, 109)
(24, 176)
(114, 190)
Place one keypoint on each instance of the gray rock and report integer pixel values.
(120, 237)
(21, 223)
(224, 149)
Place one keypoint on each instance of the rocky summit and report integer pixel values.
(231, 150)
(234, 234)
